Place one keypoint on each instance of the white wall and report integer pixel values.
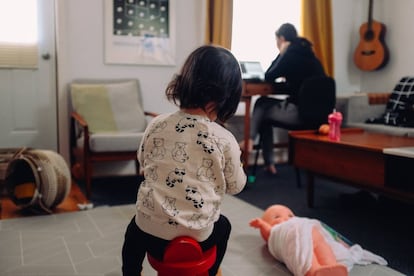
(80, 44)
(398, 19)
(348, 17)
(346, 75)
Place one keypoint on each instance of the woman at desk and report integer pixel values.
(296, 62)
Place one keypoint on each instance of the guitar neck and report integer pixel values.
(370, 14)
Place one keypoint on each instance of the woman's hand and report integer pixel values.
(283, 46)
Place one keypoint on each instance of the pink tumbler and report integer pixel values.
(335, 121)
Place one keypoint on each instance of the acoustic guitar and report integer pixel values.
(371, 53)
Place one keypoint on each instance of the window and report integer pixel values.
(254, 26)
(18, 34)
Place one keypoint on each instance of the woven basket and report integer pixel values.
(38, 178)
(6, 154)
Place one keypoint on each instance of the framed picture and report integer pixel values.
(140, 32)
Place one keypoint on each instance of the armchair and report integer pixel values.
(107, 124)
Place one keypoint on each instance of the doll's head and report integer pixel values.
(276, 214)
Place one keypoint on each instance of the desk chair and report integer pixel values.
(107, 124)
(317, 99)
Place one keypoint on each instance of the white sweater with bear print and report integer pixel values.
(189, 163)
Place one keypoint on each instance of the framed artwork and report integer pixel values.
(139, 32)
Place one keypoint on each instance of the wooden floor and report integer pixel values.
(9, 210)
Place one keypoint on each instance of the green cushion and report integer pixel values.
(92, 103)
(109, 107)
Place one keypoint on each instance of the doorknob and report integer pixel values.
(46, 56)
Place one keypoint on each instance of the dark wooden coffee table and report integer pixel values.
(357, 159)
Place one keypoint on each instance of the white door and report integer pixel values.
(28, 108)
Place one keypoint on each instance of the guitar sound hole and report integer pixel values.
(368, 52)
(369, 35)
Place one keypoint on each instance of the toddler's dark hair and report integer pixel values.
(210, 74)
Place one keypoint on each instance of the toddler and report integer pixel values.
(189, 162)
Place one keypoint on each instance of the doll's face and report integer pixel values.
(277, 214)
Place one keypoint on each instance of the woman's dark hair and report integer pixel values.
(210, 74)
(288, 31)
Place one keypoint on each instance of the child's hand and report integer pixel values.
(256, 223)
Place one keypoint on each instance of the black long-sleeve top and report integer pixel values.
(295, 65)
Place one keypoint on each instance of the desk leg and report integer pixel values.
(298, 181)
(247, 102)
(310, 188)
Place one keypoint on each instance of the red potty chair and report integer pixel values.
(184, 257)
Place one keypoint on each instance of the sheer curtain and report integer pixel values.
(219, 22)
(316, 25)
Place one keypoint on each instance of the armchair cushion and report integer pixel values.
(106, 107)
(361, 106)
(113, 142)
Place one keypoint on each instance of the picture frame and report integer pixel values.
(139, 32)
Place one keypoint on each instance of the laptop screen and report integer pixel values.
(251, 70)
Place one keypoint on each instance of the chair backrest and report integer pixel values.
(317, 99)
(109, 105)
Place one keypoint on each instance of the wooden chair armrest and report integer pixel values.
(378, 97)
(152, 114)
(79, 119)
(84, 126)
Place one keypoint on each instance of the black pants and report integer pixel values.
(138, 242)
(268, 113)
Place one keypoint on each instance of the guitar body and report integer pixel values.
(371, 53)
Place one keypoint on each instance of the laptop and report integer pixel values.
(252, 71)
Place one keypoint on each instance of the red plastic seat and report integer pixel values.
(184, 257)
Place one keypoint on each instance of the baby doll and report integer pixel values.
(305, 252)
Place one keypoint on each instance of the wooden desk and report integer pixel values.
(357, 159)
(252, 89)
